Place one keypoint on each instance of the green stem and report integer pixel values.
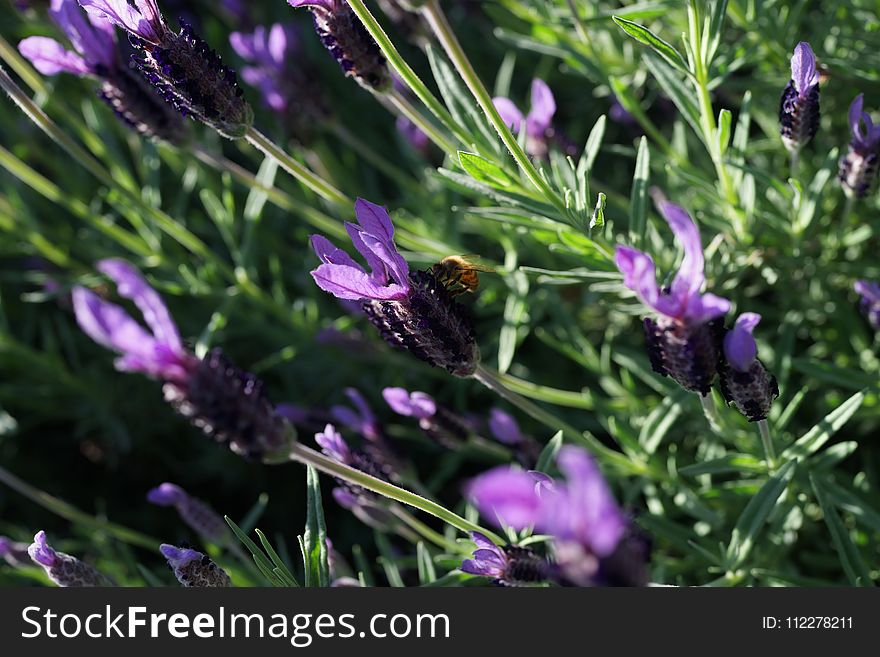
(767, 440)
(307, 177)
(578, 23)
(711, 413)
(308, 456)
(405, 107)
(436, 19)
(426, 532)
(71, 513)
(405, 72)
(491, 380)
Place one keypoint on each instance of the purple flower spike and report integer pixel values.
(538, 122)
(412, 310)
(348, 41)
(799, 106)
(180, 65)
(869, 303)
(410, 404)
(683, 342)
(63, 569)
(504, 427)
(744, 380)
(506, 566)
(192, 568)
(858, 168)
(197, 515)
(159, 353)
(96, 54)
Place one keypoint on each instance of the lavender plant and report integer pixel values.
(457, 362)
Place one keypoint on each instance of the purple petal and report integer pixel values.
(739, 345)
(542, 110)
(386, 252)
(855, 116)
(417, 404)
(509, 112)
(690, 276)
(803, 68)
(330, 254)
(639, 275)
(295, 414)
(344, 498)
(50, 58)
(93, 39)
(869, 290)
(374, 219)
(333, 445)
(349, 283)
(108, 324)
(482, 541)
(120, 13)
(131, 285)
(702, 308)
(179, 557)
(40, 551)
(367, 418)
(504, 427)
(166, 494)
(329, 5)
(508, 495)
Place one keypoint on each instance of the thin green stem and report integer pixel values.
(307, 177)
(436, 19)
(711, 413)
(308, 456)
(578, 22)
(767, 441)
(491, 380)
(426, 532)
(405, 72)
(405, 107)
(71, 513)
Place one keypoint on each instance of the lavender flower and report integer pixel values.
(360, 418)
(580, 513)
(743, 378)
(412, 310)
(226, 403)
(799, 106)
(684, 339)
(14, 553)
(63, 569)
(439, 424)
(506, 566)
(346, 38)
(869, 301)
(505, 429)
(538, 122)
(96, 55)
(364, 504)
(279, 70)
(858, 168)
(200, 517)
(181, 66)
(192, 568)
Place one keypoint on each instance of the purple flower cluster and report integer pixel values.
(198, 515)
(869, 301)
(686, 341)
(63, 569)
(538, 123)
(96, 54)
(858, 168)
(799, 106)
(412, 310)
(192, 568)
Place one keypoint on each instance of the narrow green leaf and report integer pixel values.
(315, 535)
(265, 566)
(660, 421)
(813, 440)
(597, 220)
(728, 464)
(724, 120)
(639, 196)
(548, 454)
(753, 517)
(280, 568)
(675, 89)
(644, 35)
(388, 560)
(591, 150)
(483, 170)
(847, 551)
(427, 573)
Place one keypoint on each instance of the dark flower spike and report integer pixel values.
(858, 168)
(63, 569)
(411, 310)
(346, 38)
(744, 380)
(799, 106)
(869, 301)
(580, 513)
(200, 517)
(192, 568)
(226, 403)
(510, 565)
(181, 66)
(95, 54)
(684, 339)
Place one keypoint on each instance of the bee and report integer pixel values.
(459, 274)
